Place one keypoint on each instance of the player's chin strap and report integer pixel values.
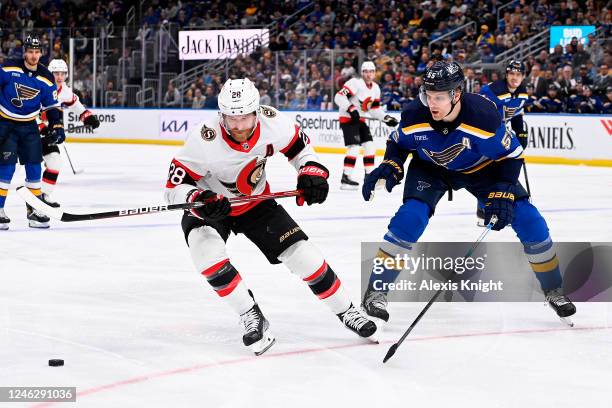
(452, 104)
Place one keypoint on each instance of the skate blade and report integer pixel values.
(4, 227)
(40, 225)
(375, 337)
(264, 344)
(567, 321)
(348, 187)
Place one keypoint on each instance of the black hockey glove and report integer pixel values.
(56, 135)
(389, 170)
(352, 110)
(523, 138)
(390, 121)
(500, 202)
(312, 180)
(216, 206)
(89, 119)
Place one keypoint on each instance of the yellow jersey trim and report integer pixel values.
(483, 134)
(45, 80)
(12, 69)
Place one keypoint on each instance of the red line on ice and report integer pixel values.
(198, 367)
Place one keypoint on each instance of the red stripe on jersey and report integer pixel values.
(52, 171)
(331, 290)
(318, 273)
(293, 140)
(230, 287)
(245, 146)
(46, 180)
(208, 272)
(347, 120)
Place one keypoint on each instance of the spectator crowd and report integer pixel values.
(310, 56)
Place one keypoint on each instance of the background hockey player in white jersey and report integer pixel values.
(359, 99)
(226, 157)
(51, 152)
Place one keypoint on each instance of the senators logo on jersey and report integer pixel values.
(24, 93)
(248, 178)
(267, 112)
(369, 103)
(207, 133)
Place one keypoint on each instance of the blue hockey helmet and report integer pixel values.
(515, 66)
(442, 76)
(31, 42)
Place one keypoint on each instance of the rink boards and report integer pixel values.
(556, 139)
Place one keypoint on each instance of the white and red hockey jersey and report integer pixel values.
(212, 160)
(70, 101)
(355, 94)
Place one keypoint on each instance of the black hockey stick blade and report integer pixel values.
(390, 352)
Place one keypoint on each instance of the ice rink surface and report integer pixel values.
(137, 326)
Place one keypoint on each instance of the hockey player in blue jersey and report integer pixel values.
(511, 98)
(458, 141)
(26, 87)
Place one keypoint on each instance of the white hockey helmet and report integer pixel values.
(368, 66)
(58, 65)
(238, 97)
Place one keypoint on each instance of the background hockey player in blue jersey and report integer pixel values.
(510, 97)
(459, 141)
(25, 87)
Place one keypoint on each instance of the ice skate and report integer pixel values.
(36, 219)
(47, 200)
(357, 322)
(347, 184)
(257, 335)
(4, 220)
(375, 305)
(561, 305)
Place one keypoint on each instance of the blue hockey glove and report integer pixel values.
(57, 135)
(500, 202)
(390, 171)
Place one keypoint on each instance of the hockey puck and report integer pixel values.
(56, 362)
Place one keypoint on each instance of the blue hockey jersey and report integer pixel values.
(509, 104)
(24, 92)
(477, 138)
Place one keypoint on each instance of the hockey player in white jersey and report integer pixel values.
(359, 99)
(51, 152)
(226, 157)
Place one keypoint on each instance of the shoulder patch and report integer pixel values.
(267, 111)
(208, 134)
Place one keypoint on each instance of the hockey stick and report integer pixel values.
(58, 214)
(75, 172)
(394, 347)
(77, 128)
(526, 178)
